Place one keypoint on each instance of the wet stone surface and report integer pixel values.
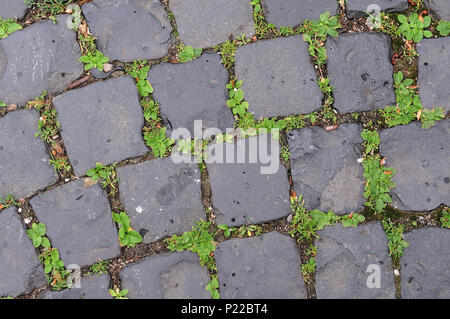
(162, 198)
(129, 30)
(293, 12)
(108, 126)
(426, 264)
(346, 259)
(91, 287)
(79, 222)
(420, 157)
(259, 268)
(360, 68)
(213, 21)
(250, 192)
(200, 94)
(12, 9)
(20, 268)
(358, 8)
(433, 77)
(325, 168)
(43, 56)
(439, 7)
(24, 162)
(169, 276)
(279, 86)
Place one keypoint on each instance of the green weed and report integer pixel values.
(99, 268)
(48, 8)
(443, 28)
(236, 102)
(445, 219)
(188, 53)
(394, 234)
(94, 59)
(213, 287)
(106, 174)
(413, 27)
(227, 230)
(139, 71)
(156, 139)
(116, 293)
(7, 27)
(8, 201)
(127, 236)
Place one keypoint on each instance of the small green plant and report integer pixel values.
(7, 27)
(394, 234)
(116, 293)
(309, 267)
(99, 268)
(443, 28)
(61, 165)
(285, 154)
(236, 102)
(150, 108)
(48, 125)
(94, 59)
(249, 230)
(429, 117)
(8, 201)
(188, 53)
(2, 104)
(413, 28)
(127, 236)
(213, 287)
(445, 219)
(54, 268)
(352, 220)
(37, 235)
(139, 71)
(48, 8)
(262, 28)
(227, 230)
(227, 51)
(158, 141)
(106, 174)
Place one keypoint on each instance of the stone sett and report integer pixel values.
(91, 287)
(439, 7)
(12, 9)
(358, 8)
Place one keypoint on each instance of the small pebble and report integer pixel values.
(107, 67)
(396, 272)
(11, 107)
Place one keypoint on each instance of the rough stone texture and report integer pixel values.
(24, 162)
(213, 21)
(192, 91)
(129, 30)
(358, 8)
(278, 86)
(440, 7)
(420, 157)
(241, 193)
(162, 198)
(44, 56)
(79, 222)
(12, 9)
(20, 268)
(293, 12)
(92, 287)
(426, 264)
(101, 122)
(360, 68)
(433, 77)
(169, 276)
(343, 257)
(265, 267)
(325, 169)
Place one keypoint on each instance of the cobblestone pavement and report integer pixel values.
(94, 204)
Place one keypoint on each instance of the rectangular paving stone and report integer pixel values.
(166, 276)
(192, 91)
(426, 264)
(24, 161)
(79, 222)
(20, 268)
(440, 8)
(434, 59)
(12, 9)
(241, 193)
(293, 12)
(129, 30)
(360, 69)
(421, 158)
(264, 267)
(91, 287)
(279, 78)
(324, 167)
(213, 22)
(101, 122)
(358, 8)
(162, 198)
(43, 56)
(348, 258)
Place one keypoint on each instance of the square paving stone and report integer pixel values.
(91, 287)
(213, 22)
(20, 268)
(439, 7)
(12, 9)
(360, 69)
(79, 222)
(193, 91)
(426, 264)
(293, 12)
(264, 267)
(358, 8)
(421, 158)
(347, 257)
(434, 56)
(43, 56)
(166, 276)
(101, 122)
(325, 170)
(129, 30)
(24, 162)
(279, 86)
(162, 198)
(241, 193)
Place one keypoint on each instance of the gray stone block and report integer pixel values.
(440, 7)
(79, 222)
(101, 122)
(91, 287)
(13, 9)
(279, 78)
(358, 8)
(325, 168)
